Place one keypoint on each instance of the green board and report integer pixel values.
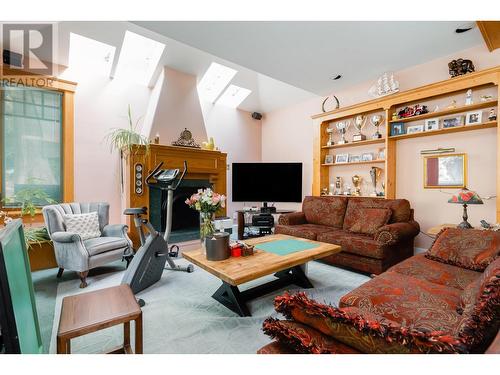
(20, 288)
(285, 247)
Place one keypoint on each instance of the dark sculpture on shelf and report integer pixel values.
(460, 67)
(413, 111)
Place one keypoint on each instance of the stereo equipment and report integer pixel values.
(263, 220)
(256, 115)
(138, 178)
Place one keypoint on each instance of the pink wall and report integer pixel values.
(287, 135)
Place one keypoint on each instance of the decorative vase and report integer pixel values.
(207, 227)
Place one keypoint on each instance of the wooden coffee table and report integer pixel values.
(236, 271)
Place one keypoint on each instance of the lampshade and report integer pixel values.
(466, 196)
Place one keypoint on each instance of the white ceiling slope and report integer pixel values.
(267, 94)
(307, 54)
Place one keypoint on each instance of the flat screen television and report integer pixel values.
(267, 182)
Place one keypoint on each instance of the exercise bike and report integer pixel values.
(148, 263)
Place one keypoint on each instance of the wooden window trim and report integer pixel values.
(67, 89)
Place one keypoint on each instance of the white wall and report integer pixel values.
(287, 133)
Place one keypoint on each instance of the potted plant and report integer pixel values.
(206, 202)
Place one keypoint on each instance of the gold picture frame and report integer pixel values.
(445, 171)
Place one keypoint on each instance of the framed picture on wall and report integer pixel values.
(329, 159)
(445, 171)
(431, 124)
(415, 129)
(342, 158)
(451, 122)
(397, 128)
(474, 118)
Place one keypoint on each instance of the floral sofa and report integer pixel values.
(374, 233)
(444, 301)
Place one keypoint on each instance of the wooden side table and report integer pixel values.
(90, 312)
(435, 230)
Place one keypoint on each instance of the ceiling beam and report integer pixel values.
(491, 33)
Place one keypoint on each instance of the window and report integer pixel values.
(31, 149)
(216, 78)
(233, 96)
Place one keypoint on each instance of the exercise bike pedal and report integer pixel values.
(190, 268)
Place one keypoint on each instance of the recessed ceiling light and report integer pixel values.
(233, 96)
(334, 78)
(216, 79)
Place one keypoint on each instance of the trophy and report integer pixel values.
(376, 120)
(338, 185)
(375, 174)
(330, 136)
(342, 127)
(359, 123)
(356, 181)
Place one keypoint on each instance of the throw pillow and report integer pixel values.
(369, 220)
(86, 225)
(481, 310)
(467, 248)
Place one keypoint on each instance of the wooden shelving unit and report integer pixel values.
(356, 144)
(451, 111)
(457, 129)
(387, 105)
(353, 163)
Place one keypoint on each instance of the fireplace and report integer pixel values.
(185, 220)
(205, 169)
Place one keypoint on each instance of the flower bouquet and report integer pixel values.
(207, 202)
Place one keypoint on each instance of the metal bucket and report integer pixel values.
(218, 246)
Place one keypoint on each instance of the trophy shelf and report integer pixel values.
(354, 163)
(451, 111)
(457, 129)
(355, 144)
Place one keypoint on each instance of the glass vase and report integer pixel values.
(207, 227)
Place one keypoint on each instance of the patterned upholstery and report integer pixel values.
(370, 220)
(276, 347)
(468, 248)
(309, 231)
(408, 301)
(400, 208)
(323, 218)
(422, 268)
(328, 211)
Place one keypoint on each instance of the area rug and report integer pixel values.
(180, 315)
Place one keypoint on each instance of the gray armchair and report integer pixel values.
(79, 255)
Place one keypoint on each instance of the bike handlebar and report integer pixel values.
(157, 168)
(182, 175)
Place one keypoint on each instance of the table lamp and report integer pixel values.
(465, 197)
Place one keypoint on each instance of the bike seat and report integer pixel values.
(136, 211)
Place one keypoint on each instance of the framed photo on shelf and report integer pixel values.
(329, 159)
(431, 124)
(354, 158)
(367, 156)
(381, 153)
(397, 128)
(452, 122)
(415, 129)
(473, 118)
(341, 158)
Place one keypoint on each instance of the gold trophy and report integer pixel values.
(359, 123)
(376, 120)
(342, 127)
(375, 174)
(330, 136)
(356, 181)
(338, 185)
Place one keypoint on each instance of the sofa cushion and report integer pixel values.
(409, 301)
(303, 338)
(362, 330)
(101, 245)
(354, 243)
(86, 225)
(418, 266)
(468, 248)
(400, 208)
(370, 220)
(309, 231)
(481, 312)
(328, 211)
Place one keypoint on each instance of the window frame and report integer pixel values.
(67, 89)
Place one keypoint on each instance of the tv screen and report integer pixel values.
(267, 182)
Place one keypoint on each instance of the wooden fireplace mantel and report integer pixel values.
(202, 165)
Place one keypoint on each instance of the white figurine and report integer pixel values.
(468, 97)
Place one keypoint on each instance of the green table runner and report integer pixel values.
(285, 247)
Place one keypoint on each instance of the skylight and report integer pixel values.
(89, 55)
(233, 96)
(139, 58)
(214, 81)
